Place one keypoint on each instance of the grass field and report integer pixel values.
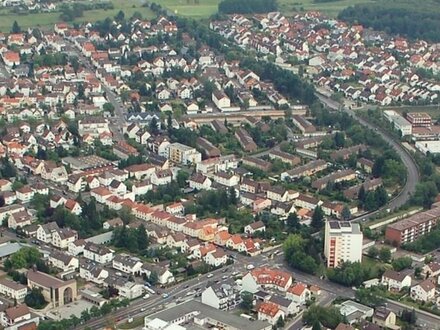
(330, 8)
(433, 111)
(205, 8)
(48, 19)
(189, 8)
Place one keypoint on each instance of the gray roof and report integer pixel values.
(101, 238)
(7, 249)
(205, 311)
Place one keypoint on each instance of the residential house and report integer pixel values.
(98, 253)
(223, 296)
(384, 318)
(424, 291)
(299, 293)
(93, 272)
(396, 281)
(13, 290)
(127, 264)
(269, 312)
(63, 261)
(255, 227)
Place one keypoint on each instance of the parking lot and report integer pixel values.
(74, 308)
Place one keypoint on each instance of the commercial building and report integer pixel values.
(419, 119)
(409, 229)
(193, 315)
(400, 123)
(425, 147)
(343, 242)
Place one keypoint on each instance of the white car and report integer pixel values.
(147, 296)
(210, 275)
(250, 267)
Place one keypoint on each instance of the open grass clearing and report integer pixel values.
(129, 7)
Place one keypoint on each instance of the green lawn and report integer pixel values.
(48, 19)
(189, 8)
(205, 8)
(330, 8)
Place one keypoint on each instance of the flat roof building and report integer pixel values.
(343, 242)
(409, 229)
(206, 316)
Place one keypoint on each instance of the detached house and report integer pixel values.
(396, 281)
(19, 219)
(127, 264)
(269, 312)
(424, 291)
(98, 253)
(255, 227)
(298, 293)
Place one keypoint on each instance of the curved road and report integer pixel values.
(413, 176)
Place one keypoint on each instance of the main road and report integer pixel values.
(182, 291)
(413, 176)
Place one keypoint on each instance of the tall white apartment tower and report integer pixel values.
(343, 242)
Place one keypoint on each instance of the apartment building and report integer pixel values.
(409, 229)
(343, 242)
(181, 154)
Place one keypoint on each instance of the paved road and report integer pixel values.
(413, 176)
(329, 289)
(117, 122)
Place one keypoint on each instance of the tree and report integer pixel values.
(15, 28)
(373, 252)
(109, 107)
(401, 263)
(327, 316)
(345, 214)
(247, 301)
(7, 168)
(120, 16)
(317, 218)
(142, 238)
(349, 273)
(408, 316)
(153, 126)
(153, 278)
(301, 253)
(368, 296)
(35, 299)
(280, 323)
(182, 177)
(384, 254)
(339, 140)
(292, 222)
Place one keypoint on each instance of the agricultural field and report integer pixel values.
(205, 8)
(48, 19)
(331, 8)
(191, 8)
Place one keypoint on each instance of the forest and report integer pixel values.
(247, 6)
(403, 17)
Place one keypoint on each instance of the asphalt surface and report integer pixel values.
(117, 122)
(413, 176)
(182, 291)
